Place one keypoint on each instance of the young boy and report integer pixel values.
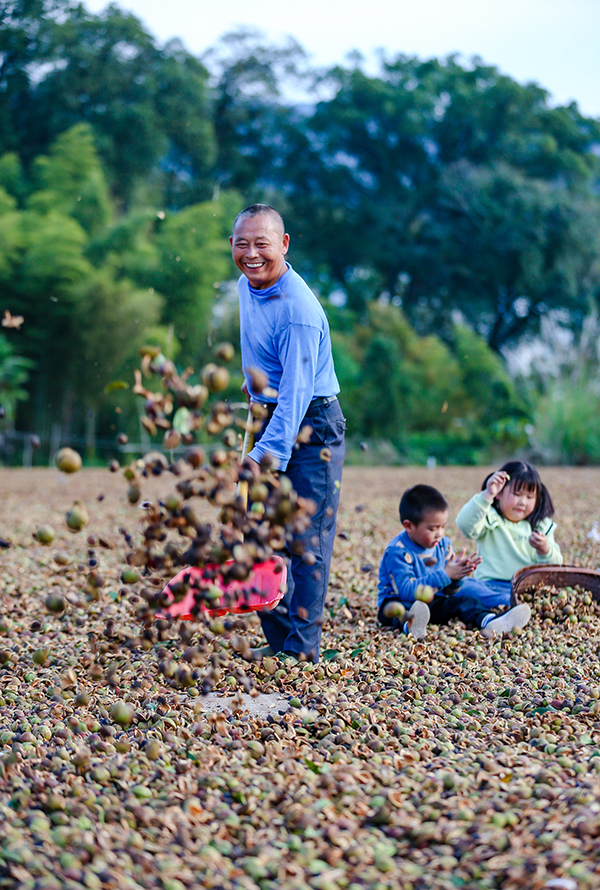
(422, 556)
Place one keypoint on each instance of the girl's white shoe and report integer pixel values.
(518, 616)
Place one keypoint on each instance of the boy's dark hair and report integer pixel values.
(257, 210)
(523, 475)
(419, 500)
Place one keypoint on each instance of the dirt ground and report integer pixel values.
(29, 498)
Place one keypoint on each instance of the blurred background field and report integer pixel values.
(369, 505)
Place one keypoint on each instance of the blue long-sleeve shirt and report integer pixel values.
(404, 565)
(285, 334)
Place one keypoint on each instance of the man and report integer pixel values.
(285, 334)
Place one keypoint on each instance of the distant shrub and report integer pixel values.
(566, 423)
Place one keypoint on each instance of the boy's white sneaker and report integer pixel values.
(518, 616)
(416, 620)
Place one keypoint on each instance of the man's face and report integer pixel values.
(430, 530)
(259, 248)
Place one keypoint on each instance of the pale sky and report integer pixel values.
(555, 43)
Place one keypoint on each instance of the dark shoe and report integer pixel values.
(256, 654)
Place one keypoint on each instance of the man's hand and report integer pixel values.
(539, 542)
(495, 484)
(462, 565)
(250, 464)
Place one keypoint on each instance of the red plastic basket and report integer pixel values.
(261, 591)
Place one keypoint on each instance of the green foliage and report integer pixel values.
(192, 258)
(14, 374)
(449, 188)
(11, 236)
(81, 322)
(62, 65)
(122, 313)
(249, 115)
(453, 401)
(529, 247)
(452, 192)
(91, 290)
(566, 423)
(70, 180)
(565, 393)
(12, 179)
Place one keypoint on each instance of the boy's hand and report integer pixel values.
(539, 542)
(495, 484)
(462, 565)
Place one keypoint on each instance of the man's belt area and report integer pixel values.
(319, 402)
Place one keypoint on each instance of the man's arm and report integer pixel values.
(298, 347)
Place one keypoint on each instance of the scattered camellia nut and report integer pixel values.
(258, 380)
(121, 713)
(424, 593)
(224, 352)
(215, 378)
(207, 372)
(40, 656)
(195, 457)
(134, 493)
(129, 576)
(77, 517)
(394, 609)
(45, 534)
(171, 439)
(390, 762)
(56, 603)
(62, 558)
(68, 460)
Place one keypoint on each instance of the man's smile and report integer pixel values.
(259, 248)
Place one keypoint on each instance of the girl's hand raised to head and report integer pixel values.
(495, 484)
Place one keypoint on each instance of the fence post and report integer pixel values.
(90, 434)
(27, 452)
(55, 436)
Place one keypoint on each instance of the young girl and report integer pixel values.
(510, 519)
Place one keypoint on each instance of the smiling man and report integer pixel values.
(284, 333)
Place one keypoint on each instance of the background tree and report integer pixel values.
(148, 106)
(443, 202)
(14, 374)
(80, 323)
(393, 165)
(452, 401)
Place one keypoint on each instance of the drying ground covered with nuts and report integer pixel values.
(452, 762)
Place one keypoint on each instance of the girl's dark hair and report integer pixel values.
(523, 475)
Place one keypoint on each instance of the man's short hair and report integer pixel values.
(257, 210)
(419, 500)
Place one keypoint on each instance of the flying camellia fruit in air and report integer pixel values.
(68, 460)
